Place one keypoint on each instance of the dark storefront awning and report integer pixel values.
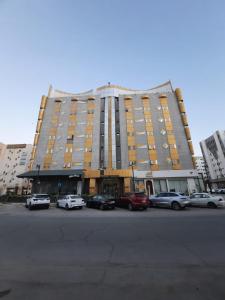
(41, 173)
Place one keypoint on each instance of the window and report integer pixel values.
(142, 147)
(131, 147)
(148, 120)
(140, 132)
(143, 161)
(153, 162)
(80, 135)
(151, 147)
(139, 120)
(130, 133)
(150, 133)
(78, 164)
(173, 146)
(175, 161)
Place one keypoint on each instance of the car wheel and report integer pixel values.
(57, 205)
(26, 205)
(101, 207)
(80, 207)
(175, 205)
(144, 208)
(30, 206)
(130, 207)
(67, 207)
(47, 206)
(211, 205)
(88, 205)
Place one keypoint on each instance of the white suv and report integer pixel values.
(70, 201)
(38, 200)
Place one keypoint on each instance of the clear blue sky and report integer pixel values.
(79, 45)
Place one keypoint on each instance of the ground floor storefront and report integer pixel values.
(114, 182)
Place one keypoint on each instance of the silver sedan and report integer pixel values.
(172, 200)
(206, 200)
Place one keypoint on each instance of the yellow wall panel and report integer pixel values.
(154, 167)
(130, 141)
(171, 139)
(41, 114)
(188, 134)
(43, 102)
(151, 139)
(181, 107)
(67, 158)
(88, 143)
(127, 185)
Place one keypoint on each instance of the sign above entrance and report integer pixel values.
(142, 174)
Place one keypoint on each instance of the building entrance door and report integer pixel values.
(111, 186)
(149, 188)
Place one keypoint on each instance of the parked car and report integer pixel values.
(133, 201)
(101, 201)
(206, 200)
(70, 201)
(38, 200)
(222, 191)
(172, 200)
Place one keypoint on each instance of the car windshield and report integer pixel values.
(41, 196)
(140, 194)
(108, 197)
(74, 197)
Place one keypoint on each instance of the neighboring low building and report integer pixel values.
(200, 166)
(213, 150)
(112, 139)
(14, 161)
(2, 151)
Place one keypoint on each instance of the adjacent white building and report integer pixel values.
(213, 150)
(14, 160)
(200, 166)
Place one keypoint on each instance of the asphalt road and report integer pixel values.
(90, 254)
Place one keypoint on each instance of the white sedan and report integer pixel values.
(206, 200)
(70, 201)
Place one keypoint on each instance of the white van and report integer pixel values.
(70, 201)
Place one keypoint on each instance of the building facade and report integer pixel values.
(200, 166)
(113, 140)
(14, 161)
(213, 150)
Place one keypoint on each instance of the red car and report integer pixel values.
(133, 201)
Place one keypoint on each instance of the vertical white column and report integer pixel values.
(106, 132)
(113, 124)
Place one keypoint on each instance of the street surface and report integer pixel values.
(91, 254)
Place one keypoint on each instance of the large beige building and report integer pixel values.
(113, 140)
(14, 161)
